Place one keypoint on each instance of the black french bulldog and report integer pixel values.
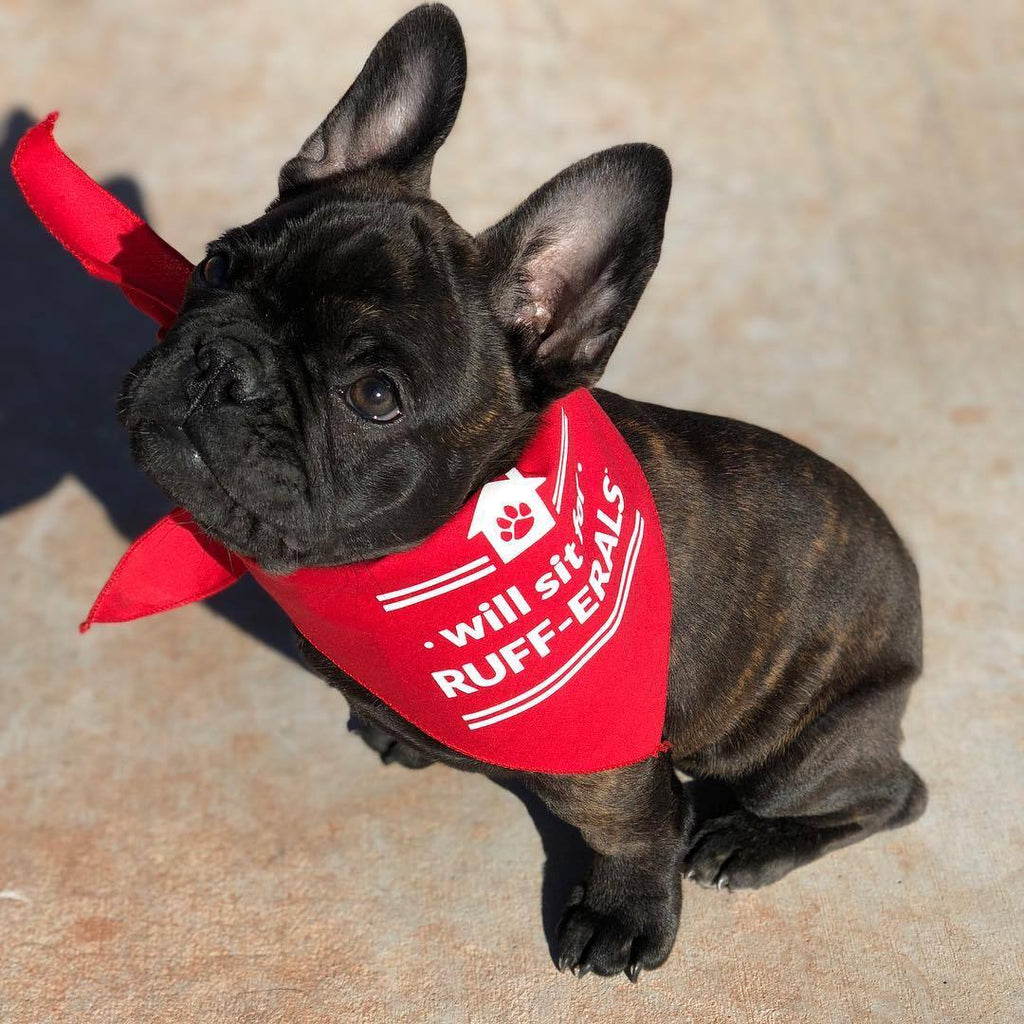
(350, 367)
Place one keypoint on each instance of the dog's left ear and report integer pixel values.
(399, 109)
(569, 265)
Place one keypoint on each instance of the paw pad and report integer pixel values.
(516, 523)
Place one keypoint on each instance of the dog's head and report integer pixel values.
(348, 368)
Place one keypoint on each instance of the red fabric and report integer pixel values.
(531, 631)
(553, 661)
(173, 563)
(110, 241)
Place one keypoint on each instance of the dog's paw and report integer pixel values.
(619, 924)
(741, 851)
(391, 750)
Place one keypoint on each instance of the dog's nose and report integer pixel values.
(228, 373)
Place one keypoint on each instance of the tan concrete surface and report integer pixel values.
(186, 830)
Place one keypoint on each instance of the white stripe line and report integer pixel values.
(558, 679)
(437, 579)
(563, 457)
(568, 675)
(438, 591)
(633, 542)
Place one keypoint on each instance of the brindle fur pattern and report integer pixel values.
(796, 626)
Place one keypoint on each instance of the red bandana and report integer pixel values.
(530, 631)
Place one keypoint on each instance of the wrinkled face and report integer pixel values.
(335, 385)
(347, 369)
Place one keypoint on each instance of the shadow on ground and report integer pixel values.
(68, 341)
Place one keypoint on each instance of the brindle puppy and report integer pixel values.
(350, 367)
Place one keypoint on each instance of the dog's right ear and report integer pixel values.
(399, 109)
(569, 264)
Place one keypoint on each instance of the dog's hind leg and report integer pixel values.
(839, 781)
(392, 750)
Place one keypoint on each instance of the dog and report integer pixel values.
(349, 368)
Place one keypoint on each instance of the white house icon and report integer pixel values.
(511, 514)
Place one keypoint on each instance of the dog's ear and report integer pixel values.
(569, 265)
(399, 109)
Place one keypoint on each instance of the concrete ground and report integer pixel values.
(187, 832)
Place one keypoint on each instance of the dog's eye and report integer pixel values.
(375, 398)
(214, 270)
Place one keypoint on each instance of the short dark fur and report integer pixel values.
(796, 620)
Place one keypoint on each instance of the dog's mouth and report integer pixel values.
(176, 436)
(231, 460)
(172, 455)
(167, 453)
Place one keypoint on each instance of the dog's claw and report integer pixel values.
(583, 969)
(633, 971)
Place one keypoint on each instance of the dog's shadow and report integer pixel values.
(68, 341)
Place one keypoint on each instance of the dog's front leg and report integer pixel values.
(625, 914)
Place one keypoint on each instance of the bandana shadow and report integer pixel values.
(66, 344)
